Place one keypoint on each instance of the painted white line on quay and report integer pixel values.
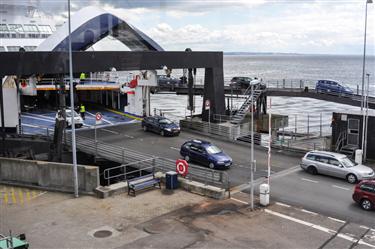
(173, 148)
(337, 220)
(282, 204)
(339, 187)
(320, 228)
(309, 212)
(243, 202)
(309, 180)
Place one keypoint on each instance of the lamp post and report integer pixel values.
(74, 151)
(364, 60)
(365, 120)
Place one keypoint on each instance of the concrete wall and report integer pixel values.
(48, 175)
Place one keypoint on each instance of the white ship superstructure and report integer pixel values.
(23, 26)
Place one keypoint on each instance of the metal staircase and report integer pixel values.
(240, 114)
(343, 147)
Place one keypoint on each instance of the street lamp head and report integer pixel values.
(369, 1)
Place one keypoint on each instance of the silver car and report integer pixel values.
(335, 164)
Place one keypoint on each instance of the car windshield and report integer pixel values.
(212, 149)
(347, 162)
(165, 121)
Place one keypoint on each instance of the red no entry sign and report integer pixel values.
(182, 167)
(98, 116)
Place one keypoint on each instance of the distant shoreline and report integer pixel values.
(295, 54)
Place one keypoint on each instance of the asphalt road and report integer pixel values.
(321, 194)
(133, 137)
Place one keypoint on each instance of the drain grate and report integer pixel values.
(102, 234)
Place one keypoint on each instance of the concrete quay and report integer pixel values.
(164, 219)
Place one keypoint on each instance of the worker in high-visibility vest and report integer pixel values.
(82, 111)
(82, 77)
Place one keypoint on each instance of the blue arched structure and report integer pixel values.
(90, 25)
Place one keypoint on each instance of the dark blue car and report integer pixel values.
(205, 153)
(160, 125)
(332, 87)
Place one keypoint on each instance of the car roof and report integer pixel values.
(199, 141)
(326, 153)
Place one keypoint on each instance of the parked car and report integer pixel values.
(78, 121)
(160, 125)
(364, 194)
(205, 153)
(337, 165)
(245, 82)
(332, 87)
(169, 82)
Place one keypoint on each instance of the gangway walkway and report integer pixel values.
(125, 156)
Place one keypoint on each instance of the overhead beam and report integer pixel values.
(27, 63)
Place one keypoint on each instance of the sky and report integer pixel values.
(278, 26)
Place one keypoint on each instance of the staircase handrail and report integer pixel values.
(342, 137)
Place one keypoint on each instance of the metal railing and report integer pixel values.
(134, 159)
(284, 138)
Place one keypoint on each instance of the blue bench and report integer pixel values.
(142, 182)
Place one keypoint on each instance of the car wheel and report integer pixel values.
(187, 158)
(351, 178)
(366, 204)
(312, 170)
(162, 133)
(144, 128)
(211, 166)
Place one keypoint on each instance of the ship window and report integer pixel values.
(15, 28)
(13, 48)
(45, 29)
(30, 28)
(3, 28)
(30, 48)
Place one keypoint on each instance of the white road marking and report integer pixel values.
(308, 180)
(334, 219)
(364, 227)
(46, 120)
(318, 227)
(339, 187)
(39, 115)
(282, 204)
(128, 136)
(173, 148)
(243, 202)
(36, 126)
(308, 212)
(113, 132)
(109, 122)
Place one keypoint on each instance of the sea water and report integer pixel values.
(347, 69)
